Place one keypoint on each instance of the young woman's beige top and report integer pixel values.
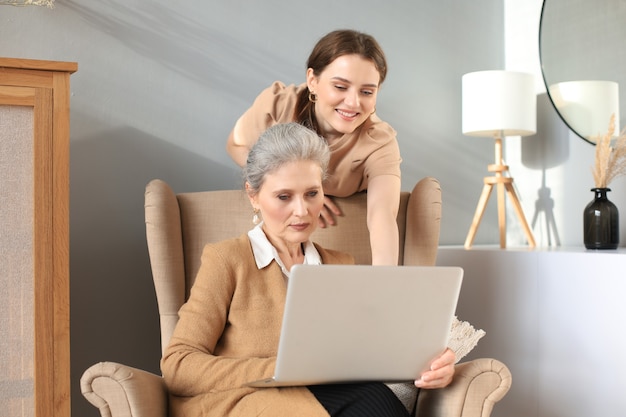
(227, 335)
(369, 151)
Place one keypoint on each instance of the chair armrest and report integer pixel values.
(477, 386)
(122, 391)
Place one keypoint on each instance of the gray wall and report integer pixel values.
(159, 87)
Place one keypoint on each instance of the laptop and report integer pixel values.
(358, 323)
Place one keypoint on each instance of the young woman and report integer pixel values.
(228, 330)
(338, 101)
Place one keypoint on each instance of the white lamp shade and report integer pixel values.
(498, 103)
(587, 106)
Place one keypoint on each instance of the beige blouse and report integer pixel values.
(369, 151)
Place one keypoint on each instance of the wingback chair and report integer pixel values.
(179, 225)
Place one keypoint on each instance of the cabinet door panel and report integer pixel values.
(34, 306)
(16, 261)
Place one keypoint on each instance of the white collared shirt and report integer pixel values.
(264, 252)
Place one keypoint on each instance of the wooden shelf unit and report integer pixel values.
(34, 218)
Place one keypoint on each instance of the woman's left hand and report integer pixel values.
(441, 372)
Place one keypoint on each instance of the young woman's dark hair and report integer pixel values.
(330, 47)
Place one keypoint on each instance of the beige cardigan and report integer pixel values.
(228, 335)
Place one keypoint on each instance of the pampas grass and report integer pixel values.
(610, 161)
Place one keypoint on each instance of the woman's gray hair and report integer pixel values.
(279, 145)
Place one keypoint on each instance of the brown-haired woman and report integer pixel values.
(338, 101)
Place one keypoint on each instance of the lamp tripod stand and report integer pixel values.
(502, 184)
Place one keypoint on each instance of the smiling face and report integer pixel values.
(290, 201)
(346, 94)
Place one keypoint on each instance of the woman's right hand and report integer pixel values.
(328, 213)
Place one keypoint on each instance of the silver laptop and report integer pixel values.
(357, 323)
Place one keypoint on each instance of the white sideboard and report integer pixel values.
(557, 318)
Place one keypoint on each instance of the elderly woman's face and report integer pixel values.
(290, 201)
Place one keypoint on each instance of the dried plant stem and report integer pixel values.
(610, 161)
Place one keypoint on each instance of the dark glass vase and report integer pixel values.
(601, 222)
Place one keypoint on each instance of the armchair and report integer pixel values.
(179, 225)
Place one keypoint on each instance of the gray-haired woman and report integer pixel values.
(228, 330)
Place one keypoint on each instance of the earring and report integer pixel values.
(312, 97)
(255, 218)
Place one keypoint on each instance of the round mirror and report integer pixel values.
(583, 61)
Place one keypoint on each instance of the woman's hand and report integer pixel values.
(328, 213)
(441, 372)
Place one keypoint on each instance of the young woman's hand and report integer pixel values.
(328, 213)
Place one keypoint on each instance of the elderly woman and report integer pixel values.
(228, 330)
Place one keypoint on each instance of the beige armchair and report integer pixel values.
(179, 225)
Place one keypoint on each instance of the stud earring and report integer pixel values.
(312, 97)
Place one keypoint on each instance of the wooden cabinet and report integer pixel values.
(34, 238)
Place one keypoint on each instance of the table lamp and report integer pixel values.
(499, 104)
(587, 106)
